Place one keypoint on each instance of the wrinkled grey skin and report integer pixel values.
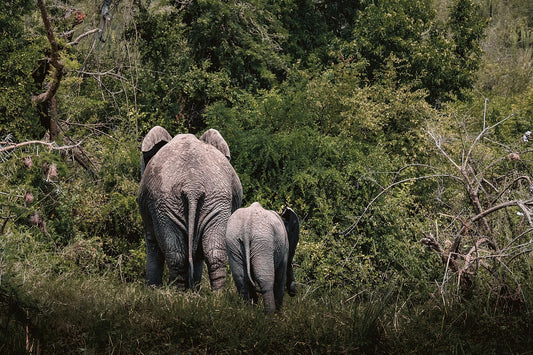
(259, 244)
(186, 196)
(154, 140)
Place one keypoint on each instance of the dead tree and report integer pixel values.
(492, 184)
(49, 74)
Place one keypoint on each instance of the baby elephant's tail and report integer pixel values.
(246, 243)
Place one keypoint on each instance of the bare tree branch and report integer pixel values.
(482, 245)
(481, 134)
(499, 207)
(5, 146)
(83, 35)
(352, 227)
(438, 144)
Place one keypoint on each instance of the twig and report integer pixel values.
(526, 211)
(517, 237)
(485, 114)
(438, 144)
(352, 227)
(50, 145)
(98, 74)
(80, 37)
(481, 134)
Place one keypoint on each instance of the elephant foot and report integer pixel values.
(178, 282)
(217, 276)
(269, 303)
(218, 283)
(292, 289)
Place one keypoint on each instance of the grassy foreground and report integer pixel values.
(69, 313)
(51, 302)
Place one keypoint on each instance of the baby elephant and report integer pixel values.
(260, 246)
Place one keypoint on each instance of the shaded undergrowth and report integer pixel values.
(73, 313)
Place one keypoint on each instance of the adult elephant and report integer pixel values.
(186, 196)
(260, 246)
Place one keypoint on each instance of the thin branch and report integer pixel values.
(517, 237)
(485, 113)
(352, 227)
(438, 144)
(481, 134)
(511, 184)
(80, 37)
(98, 74)
(499, 207)
(527, 212)
(5, 146)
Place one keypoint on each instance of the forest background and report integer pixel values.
(398, 130)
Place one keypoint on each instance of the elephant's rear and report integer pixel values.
(257, 246)
(188, 191)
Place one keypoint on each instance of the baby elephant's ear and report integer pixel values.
(154, 140)
(214, 138)
(292, 224)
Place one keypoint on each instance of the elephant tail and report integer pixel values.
(247, 257)
(191, 233)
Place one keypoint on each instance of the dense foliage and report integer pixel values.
(399, 131)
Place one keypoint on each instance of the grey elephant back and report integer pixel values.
(199, 170)
(262, 230)
(186, 195)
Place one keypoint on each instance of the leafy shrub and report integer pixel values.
(326, 147)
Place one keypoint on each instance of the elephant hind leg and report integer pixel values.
(216, 266)
(177, 270)
(236, 265)
(266, 284)
(154, 261)
(269, 301)
(213, 244)
(172, 242)
(279, 285)
(154, 257)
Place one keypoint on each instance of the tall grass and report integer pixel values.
(102, 315)
(47, 307)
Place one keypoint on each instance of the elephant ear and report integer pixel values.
(214, 138)
(292, 225)
(154, 140)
